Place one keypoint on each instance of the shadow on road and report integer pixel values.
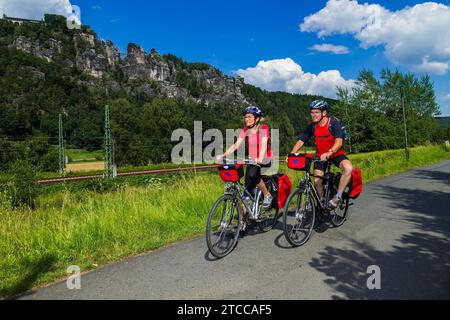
(435, 175)
(251, 231)
(34, 268)
(417, 268)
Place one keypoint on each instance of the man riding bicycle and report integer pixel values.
(258, 147)
(328, 135)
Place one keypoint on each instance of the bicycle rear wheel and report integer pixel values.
(269, 217)
(299, 217)
(223, 226)
(339, 215)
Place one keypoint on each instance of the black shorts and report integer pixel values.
(321, 165)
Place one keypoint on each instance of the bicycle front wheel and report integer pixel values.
(299, 217)
(223, 226)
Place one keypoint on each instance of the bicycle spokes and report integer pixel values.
(299, 217)
(223, 227)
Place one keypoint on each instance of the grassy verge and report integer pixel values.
(88, 228)
(380, 164)
(85, 227)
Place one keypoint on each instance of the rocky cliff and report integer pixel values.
(45, 51)
(145, 73)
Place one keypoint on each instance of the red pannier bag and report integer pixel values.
(356, 184)
(284, 190)
(231, 172)
(300, 161)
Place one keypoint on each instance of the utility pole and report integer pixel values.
(113, 158)
(61, 157)
(349, 130)
(402, 88)
(108, 154)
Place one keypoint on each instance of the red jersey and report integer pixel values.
(323, 138)
(254, 140)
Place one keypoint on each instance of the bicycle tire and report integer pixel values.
(211, 225)
(307, 207)
(338, 220)
(270, 222)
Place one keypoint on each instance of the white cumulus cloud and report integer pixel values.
(286, 75)
(35, 9)
(326, 47)
(417, 37)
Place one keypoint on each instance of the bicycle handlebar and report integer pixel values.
(316, 158)
(235, 161)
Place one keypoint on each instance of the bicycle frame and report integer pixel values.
(310, 186)
(237, 188)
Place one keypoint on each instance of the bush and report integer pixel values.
(100, 185)
(55, 22)
(9, 153)
(23, 189)
(42, 155)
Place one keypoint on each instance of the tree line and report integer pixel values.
(33, 92)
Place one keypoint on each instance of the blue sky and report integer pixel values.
(228, 34)
(237, 35)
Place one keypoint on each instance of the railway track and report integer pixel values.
(125, 174)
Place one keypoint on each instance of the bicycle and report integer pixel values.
(226, 217)
(303, 202)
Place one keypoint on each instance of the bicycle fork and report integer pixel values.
(299, 215)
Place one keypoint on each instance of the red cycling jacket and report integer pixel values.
(253, 141)
(324, 137)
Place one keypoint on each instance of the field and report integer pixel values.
(79, 155)
(85, 166)
(89, 227)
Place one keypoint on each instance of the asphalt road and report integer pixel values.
(400, 223)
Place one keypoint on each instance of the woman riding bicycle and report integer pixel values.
(257, 139)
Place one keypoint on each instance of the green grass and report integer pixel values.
(80, 155)
(87, 228)
(380, 164)
(80, 226)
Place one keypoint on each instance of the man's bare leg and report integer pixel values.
(346, 169)
(319, 183)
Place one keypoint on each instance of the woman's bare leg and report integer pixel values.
(263, 188)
